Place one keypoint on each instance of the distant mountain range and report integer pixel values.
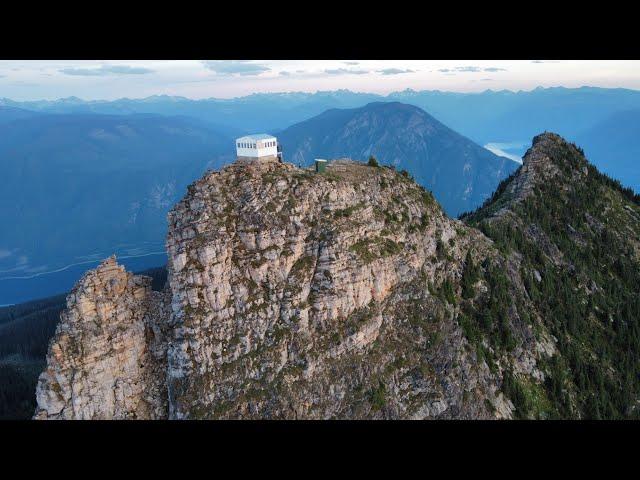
(505, 116)
(9, 114)
(614, 146)
(489, 116)
(237, 116)
(460, 173)
(79, 186)
(485, 117)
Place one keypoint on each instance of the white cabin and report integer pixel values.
(257, 146)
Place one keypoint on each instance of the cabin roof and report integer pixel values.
(255, 137)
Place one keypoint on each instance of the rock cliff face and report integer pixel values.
(295, 296)
(108, 357)
(292, 294)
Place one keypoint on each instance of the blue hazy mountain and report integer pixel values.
(613, 145)
(9, 114)
(505, 116)
(78, 187)
(257, 112)
(488, 116)
(460, 173)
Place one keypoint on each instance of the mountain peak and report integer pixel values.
(550, 160)
(549, 152)
(575, 236)
(391, 106)
(459, 172)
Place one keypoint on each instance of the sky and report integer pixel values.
(108, 80)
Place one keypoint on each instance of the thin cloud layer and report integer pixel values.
(468, 69)
(106, 70)
(345, 71)
(394, 71)
(111, 79)
(235, 67)
(472, 69)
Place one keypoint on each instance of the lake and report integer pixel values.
(511, 150)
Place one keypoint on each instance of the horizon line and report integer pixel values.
(291, 92)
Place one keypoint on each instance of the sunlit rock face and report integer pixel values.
(290, 294)
(107, 359)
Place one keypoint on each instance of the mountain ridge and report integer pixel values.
(460, 173)
(575, 234)
(349, 294)
(127, 172)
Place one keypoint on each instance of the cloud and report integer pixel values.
(126, 70)
(468, 69)
(394, 71)
(22, 83)
(106, 70)
(235, 67)
(284, 73)
(486, 79)
(472, 69)
(345, 71)
(351, 63)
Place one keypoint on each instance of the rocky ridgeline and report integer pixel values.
(292, 295)
(544, 163)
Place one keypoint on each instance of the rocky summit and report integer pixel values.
(300, 295)
(108, 357)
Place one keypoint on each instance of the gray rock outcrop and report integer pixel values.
(290, 295)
